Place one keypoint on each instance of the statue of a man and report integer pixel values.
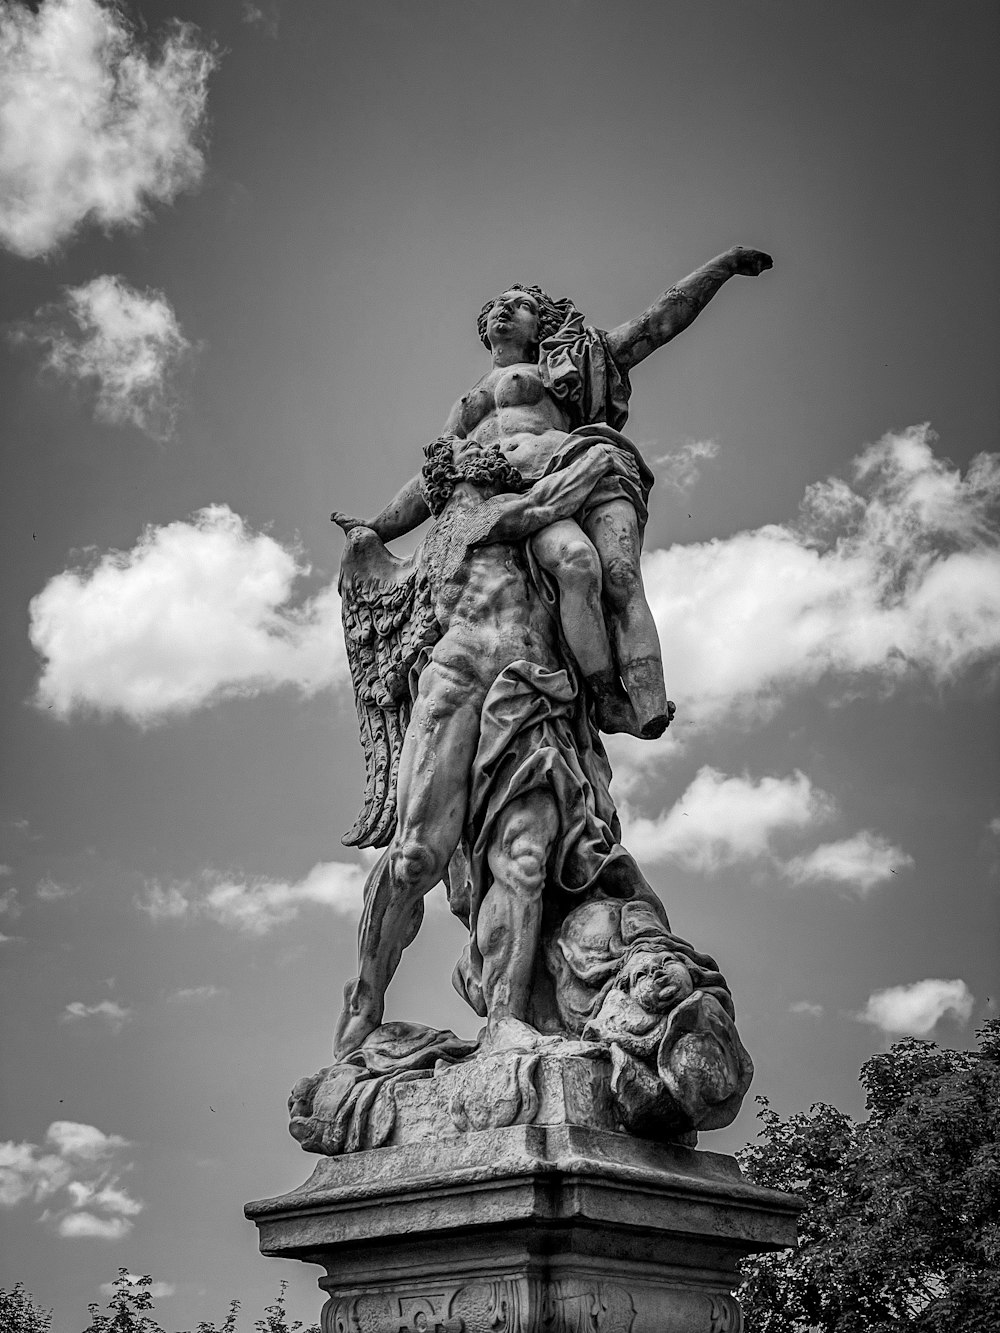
(555, 388)
(490, 618)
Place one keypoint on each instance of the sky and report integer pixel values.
(242, 250)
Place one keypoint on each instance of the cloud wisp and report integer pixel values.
(916, 1009)
(197, 611)
(48, 890)
(196, 994)
(112, 1013)
(894, 578)
(256, 905)
(721, 821)
(682, 467)
(124, 344)
(93, 127)
(861, 862)
(158, 1290)
(76, 1176)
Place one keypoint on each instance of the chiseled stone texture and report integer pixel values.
(508, 1088)
(527, 1229)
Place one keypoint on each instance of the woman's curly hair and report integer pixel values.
(552, 314)
(440, 474)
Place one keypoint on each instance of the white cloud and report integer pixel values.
(125, 344)
(6, 870)
(195, 994)
(264, 14)
(862, 861)
(11, 939)
(9, 904)
(898, 577)
(92, 127)
(255, 906)
(110, 1011)
(76, 1174)
(156, 1289)
(680, 468)
(994, 826)
(918, 1008)
(197, 611)
(163, 902)
(85, 1143)
(721, 820)
(806, 1008)
(91, 1224)
(50, 891)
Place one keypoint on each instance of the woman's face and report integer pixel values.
(513, 319)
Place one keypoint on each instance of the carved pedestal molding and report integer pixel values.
(527, 1229)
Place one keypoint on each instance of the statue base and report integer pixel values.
(527, 1228)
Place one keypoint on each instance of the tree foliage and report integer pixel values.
(276, 1319)
(20, 1314)
(901, 1227)
(129, 1307)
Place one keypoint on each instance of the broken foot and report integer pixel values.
(656, 726)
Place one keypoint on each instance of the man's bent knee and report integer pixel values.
(414, 866)
(522, 866)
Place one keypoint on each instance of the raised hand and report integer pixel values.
(750, 263)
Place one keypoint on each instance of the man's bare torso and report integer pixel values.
(485, 602)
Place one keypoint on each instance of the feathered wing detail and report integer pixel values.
(389, 625)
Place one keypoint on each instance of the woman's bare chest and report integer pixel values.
(504, 387)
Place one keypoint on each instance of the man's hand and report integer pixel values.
(347, 522)
(610, 456)
(750, 263)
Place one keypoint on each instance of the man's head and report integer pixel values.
(522, 311)
(450, 460)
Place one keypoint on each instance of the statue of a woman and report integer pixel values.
(555, 388)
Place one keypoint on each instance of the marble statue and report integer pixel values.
(486, 666)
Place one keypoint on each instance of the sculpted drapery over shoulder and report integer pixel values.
(485, 668)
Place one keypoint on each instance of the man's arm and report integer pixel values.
(559, 495)
(633, 341)
(407, 509)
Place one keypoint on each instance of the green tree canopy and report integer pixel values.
(901, 1228)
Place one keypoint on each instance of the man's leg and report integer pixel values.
(509, 924)
(614, 530)
(431, 801)
(564, 551)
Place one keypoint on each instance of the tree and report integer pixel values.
(901, 1227)
(20, 1314)
(228, 1324)
(130, 1304)
(275, 1319)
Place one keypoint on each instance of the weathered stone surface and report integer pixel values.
(485, 665)
(527, 1228)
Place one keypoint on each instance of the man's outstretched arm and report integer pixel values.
(634, 340)
(407, 509)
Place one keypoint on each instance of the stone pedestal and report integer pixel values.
(527, 1228)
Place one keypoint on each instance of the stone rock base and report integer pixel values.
(527, 1229)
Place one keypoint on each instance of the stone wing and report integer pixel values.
(389, 629)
